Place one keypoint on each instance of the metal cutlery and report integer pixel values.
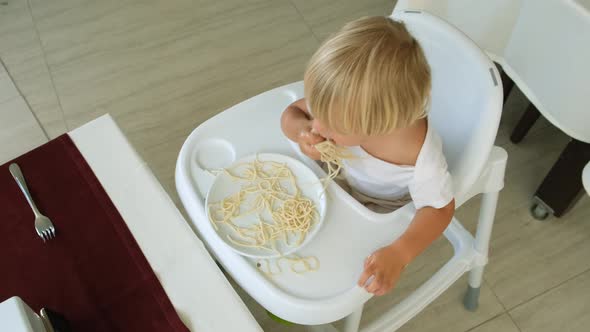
(43, 225)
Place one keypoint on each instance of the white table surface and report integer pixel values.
(197, 288)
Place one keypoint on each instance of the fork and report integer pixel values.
(43, 225)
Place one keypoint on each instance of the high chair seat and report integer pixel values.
(466, 106)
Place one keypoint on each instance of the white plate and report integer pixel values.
(308, 183)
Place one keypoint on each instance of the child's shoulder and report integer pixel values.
(405, 147)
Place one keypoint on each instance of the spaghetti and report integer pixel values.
(270, 195)
(332, 155)
(297, 264)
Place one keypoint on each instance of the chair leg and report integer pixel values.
(563, 183)
(487, 213)
(352, 321)
(471, 298)
(507, 82)
(525, 123)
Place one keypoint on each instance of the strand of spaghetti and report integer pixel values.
(294, 260)
(268, 270)
(246, 244)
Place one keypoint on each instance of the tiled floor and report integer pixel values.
(162, 67)
(19, 130)
(21, 51)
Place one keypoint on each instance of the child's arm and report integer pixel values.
(387, 263)
(296, 125)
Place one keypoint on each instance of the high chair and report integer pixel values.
(465, 110)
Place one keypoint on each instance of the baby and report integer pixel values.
(367, 88)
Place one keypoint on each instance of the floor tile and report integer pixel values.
(327, 16)
(21, 51)
(564, 308)
(19, 130)
(529, 257)
(501, 323)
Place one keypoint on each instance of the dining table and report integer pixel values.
(123, 256)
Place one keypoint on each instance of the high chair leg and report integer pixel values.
(471, 299)
(487, 213)
(352, 321)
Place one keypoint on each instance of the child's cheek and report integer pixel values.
(318, 128)
(346, 140)
(339, 140)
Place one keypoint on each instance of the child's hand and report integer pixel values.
(306, 140)
(386, 266)
(296, 123)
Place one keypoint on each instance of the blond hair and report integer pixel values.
(370, 78)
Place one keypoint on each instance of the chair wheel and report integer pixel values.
(539, 212)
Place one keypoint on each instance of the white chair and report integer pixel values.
(543, 47)
(466, 107)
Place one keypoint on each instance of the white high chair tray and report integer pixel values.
(307, 182)
(350, 231)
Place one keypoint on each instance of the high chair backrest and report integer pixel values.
(466, 99)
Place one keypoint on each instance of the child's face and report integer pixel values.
(339, 139)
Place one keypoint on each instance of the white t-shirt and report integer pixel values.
(428, 182)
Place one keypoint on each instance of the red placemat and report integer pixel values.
(93, 272)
